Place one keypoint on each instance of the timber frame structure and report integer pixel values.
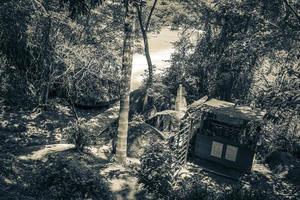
(219, 132)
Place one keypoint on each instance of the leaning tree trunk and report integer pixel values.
(148, 58)
(147, 53)
(121, 148)
(144, 30)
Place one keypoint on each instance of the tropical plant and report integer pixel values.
(66, 178)
(156, 171)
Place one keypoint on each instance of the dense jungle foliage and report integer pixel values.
(60, 57)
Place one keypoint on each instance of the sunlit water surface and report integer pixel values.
(161, 48)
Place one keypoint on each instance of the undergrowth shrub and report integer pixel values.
(280, 137)
(67, 178)
(245, 193)
(79, 136)
(156, 170)
(193, 188)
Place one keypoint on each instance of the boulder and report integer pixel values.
(101, 122)
(140, 136)
(285, 164)
(278, 160)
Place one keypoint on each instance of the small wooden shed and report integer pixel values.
(226, 134)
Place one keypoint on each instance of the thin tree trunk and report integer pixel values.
(146, 49)
(144, 30)
(46, 53)
(292, 9)
(121, 148)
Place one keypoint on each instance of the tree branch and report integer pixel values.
(292, 9)
(139, 11)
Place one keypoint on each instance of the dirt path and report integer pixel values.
(123, 182)
(46, 150)
(122, 179)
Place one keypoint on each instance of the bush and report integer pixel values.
(156, 170)
(61, 178)
(245, 193)
(193, 188)
(78, 135)
(280, 137)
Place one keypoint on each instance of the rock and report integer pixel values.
(285, 164)
(139, 138)
(279, 160)
(101, 122)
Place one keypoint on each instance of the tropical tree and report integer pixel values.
(144, 27)
(127, 56)
(81, 7)
(43, 48)
(238, 36)
(66, 54)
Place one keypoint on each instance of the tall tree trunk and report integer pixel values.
(121, 148)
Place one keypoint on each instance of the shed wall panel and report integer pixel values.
(202, 150)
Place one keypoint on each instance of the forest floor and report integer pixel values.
(28, 137)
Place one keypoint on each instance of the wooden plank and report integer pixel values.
(182, 144)
(183, 129)
(185, 119)
(182, 162)
(184, 141)
(189, 138)
(182, 153)
(182, 149)
(184, 133)
(181, 157)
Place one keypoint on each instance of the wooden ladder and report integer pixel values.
(182, 140)
(183, 136)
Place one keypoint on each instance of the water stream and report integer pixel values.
(161, 49)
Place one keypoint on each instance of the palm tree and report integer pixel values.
(127, 56)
